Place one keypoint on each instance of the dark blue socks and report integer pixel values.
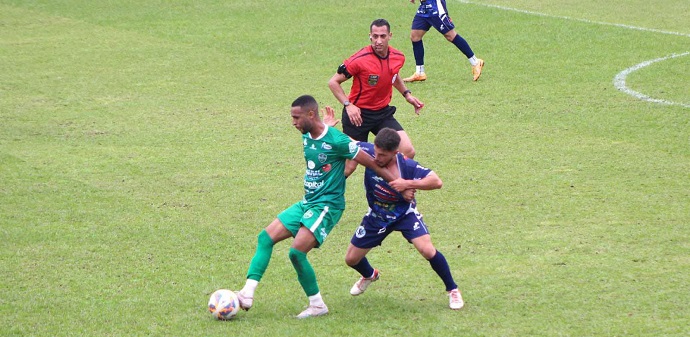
(464, 47)
(440, 266)
(364, 268)
(418, 49)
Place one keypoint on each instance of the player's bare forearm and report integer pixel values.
(367, 160)
(336, 89)
(430, 182)
(400, 85)
(350, 167)
(414, 101)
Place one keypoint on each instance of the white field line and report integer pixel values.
(575, 19)
(619, 79)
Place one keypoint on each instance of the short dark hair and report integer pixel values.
(380, 23)
(387, 139)
(306, 103)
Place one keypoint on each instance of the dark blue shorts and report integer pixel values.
(442, 23)
(370, 233)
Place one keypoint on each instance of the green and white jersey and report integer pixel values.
(324, 179)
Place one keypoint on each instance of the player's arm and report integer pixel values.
(430, 182)
(335, 85)
(408, 195)
(402, 88)
(367, 160)
(353, 112)
(350, 168)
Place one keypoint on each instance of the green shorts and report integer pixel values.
(317, 218)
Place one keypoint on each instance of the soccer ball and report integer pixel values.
(223, 304)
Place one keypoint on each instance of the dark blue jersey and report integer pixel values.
(387, 205)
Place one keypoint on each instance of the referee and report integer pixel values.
(374, 72)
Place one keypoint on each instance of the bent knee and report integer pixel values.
(264, 239)
(296, 256)
(352, 260)
(428, 253)
(416, 35)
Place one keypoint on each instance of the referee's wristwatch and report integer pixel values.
(346, 103)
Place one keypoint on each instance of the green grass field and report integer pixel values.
(144, 145)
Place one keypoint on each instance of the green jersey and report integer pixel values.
(324, 179)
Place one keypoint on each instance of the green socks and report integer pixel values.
(259, 263)
(305, 273)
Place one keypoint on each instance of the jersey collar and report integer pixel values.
(377, 55)
(323, 134)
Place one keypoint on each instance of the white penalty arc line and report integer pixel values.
(619, 79)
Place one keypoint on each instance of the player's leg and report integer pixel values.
(440, 265)
(273, 233)
(354, 256)
(444, 25)
(415, 231)
(417, 36)
(436, 259)
(367, 236)
(459, 42)
(406, 147)
(386, 119)
(424, 246)
(419, 27)
(357, 260)
(477, 64)
(317, 222)
(304, 242)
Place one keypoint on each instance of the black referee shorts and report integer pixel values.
(372, 121)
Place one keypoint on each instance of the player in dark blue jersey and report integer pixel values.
(391, 211)
(433, 13)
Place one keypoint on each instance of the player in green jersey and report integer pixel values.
(310, 220)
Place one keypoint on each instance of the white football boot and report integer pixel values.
(246, 302)
(456, 302)
(313, 311)
(363, 283)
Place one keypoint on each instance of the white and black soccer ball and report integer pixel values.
(223, 304)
